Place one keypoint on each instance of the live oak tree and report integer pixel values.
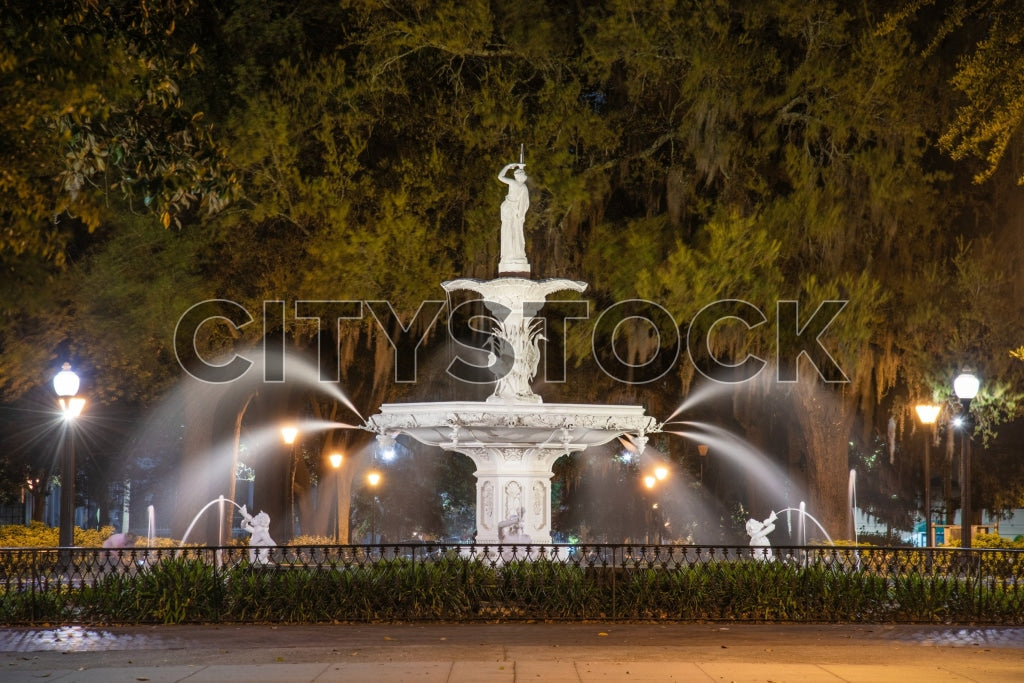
(683, 153)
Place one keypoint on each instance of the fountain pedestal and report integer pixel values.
(513, 446)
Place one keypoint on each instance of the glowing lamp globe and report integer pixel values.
(966, 386)
(288, 434)
(66, 382)
(928, 413)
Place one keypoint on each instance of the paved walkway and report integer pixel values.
(484, 653)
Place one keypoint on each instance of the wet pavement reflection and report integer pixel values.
(85, 639)
(81, 639)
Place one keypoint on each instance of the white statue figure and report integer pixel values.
(259, 527)
(511, 530)
(513, 215)
(758, 532)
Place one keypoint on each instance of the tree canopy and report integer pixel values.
(161, 153)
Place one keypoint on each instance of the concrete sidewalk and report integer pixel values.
(386, 653)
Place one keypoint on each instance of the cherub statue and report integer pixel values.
(758, 532)
(259, 528)
(511, 530)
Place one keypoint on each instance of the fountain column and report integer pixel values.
(513, 482)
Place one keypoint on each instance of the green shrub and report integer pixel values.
(996, 541)
(174, 590)
(339, 584)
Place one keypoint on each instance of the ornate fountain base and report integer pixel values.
(514, 446)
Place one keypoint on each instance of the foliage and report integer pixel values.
(39, 535)
(996, 541)
(103, 85)
(857, 585)
(681, 152)
(986, 36)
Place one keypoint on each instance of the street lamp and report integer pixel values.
(702, 451)
(373, 478)
(336, 459)
(66, 383)
(660, 473)
(966, 388)
(928, 414)
(289, 433)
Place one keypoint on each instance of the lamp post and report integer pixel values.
(702, 451)
(289, 433)
(66, 383)
(336, 459)
(373, 478)
(660, 473)
(966, 388)
(928, 414)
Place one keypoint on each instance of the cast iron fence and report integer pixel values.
(409, 582)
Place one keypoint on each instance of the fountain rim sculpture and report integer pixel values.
(575, 425)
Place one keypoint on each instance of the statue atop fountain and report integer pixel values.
(259, 540)
(758, 532)
(513, 300)
(513, 437)
(513, 217)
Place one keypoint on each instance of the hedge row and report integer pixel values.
(178, 590)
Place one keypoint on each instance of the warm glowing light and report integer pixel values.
(335, 459)
(650, 481)
(386, 446)
(928, 413)
(65, 382)
(72, 407)
(966, 386)
(660, 473)
(288, 433)
(702, 449)
(373, 478)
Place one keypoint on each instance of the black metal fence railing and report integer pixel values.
(407, 582)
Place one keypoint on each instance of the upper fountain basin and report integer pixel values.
(495, 424)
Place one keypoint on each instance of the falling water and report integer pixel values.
(738, 450)
(801, 525)
(852, 499)
(221, 500)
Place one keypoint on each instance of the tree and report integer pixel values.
(102, 86)
(680, 153)
(984, 39)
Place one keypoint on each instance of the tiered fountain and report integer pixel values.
(513, 437)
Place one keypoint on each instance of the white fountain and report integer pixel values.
(513, 437)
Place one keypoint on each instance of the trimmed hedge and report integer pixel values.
(455, 587)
